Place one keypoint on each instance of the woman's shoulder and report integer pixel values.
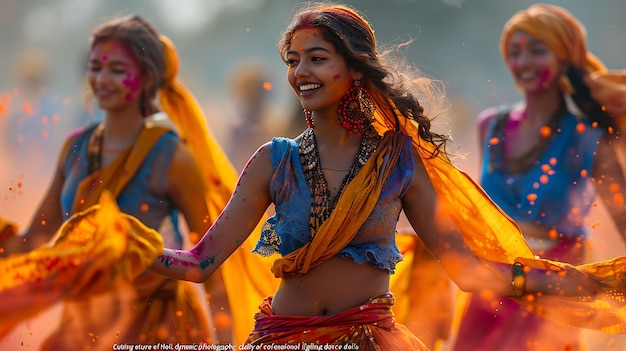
(76, 135)
(486, 117)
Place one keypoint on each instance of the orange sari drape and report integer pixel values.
(370, 326)
(96, 251)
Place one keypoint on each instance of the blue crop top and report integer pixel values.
(137, 193)
(288, 229)
(566, 198)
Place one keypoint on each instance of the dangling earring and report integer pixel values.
(308, 118)
(356, 109)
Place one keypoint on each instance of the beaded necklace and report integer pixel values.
(94, 149)
(322, 204)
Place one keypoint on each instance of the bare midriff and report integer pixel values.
(330, 288)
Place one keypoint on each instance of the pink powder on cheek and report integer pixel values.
(543, 81)
(337, 77)
(134, 83)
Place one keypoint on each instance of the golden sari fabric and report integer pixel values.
(145, 309)
(247, 276)
(95, 252)
(116, 175)
(152, 310)
(370, 326)
(423, 293)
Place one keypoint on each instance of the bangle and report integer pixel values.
(518, 283)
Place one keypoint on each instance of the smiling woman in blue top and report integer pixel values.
(338, 189)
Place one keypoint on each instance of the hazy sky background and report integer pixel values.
(454, 41)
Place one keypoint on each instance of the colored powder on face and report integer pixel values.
(543, 81)
(134, 83)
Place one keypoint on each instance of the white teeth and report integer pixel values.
(309, 87)
(526, 75)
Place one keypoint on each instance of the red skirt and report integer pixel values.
(370, 326)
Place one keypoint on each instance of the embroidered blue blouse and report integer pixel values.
(288, 229)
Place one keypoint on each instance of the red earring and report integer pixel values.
(356, 109)
(308, 118)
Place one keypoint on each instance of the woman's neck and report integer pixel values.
(121, 130)
(542, 106)
(327, 131)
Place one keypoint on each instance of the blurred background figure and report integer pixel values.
(252, 116)
(544, 161)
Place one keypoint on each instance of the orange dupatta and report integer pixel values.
(354, 206)
(97, 250)
(115, 176)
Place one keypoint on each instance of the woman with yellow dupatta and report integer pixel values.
(545, 161)
(153, 175)
(338, 188)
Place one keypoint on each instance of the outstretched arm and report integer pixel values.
(233, 226)
(469, 272)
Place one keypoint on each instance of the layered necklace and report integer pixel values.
(322, 204)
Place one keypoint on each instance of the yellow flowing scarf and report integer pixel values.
(95, 251)
(353, 207)
(493, 236)
(247, 276)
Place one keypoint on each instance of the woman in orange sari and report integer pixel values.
(138, 156)
(338, 189)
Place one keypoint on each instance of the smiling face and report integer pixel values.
(114, 76)
(532, 64)
(317, 73)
